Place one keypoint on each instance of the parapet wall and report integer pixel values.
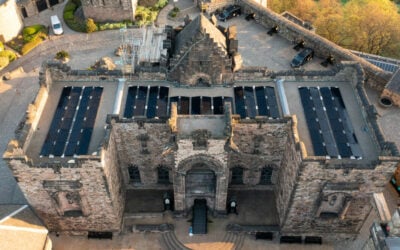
(377, 78)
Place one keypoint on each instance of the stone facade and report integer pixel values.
(209, 156)
(202, 55)
(76, 197)
(109, 10)
(28, 8)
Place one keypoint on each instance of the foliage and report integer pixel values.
(69, 18)
(9, 54)
(161, 4)
(1, 46)
(34, 32)
(30, 45)
(174, 12)
(110, 26)
(145, 15)
(90, 25)
(4, 61)
(70, 7)
(62, 55)
(351, 24)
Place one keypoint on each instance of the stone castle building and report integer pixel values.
(205, 128)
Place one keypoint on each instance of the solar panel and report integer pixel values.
(250, 102)
(261, 101)
(140, 102)
(218, 106)
(152, 102)
(195, 110)
(272, 102)
(206, 105)
(239, 102)
(130, 102)
(184, 105)
(162, 102)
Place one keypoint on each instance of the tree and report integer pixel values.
(374, 31)
(90, 25)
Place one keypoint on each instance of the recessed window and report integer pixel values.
(163, 175)
(237, 175)
(266, 176)
(134, 174)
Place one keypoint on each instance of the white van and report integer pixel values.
(56, 25)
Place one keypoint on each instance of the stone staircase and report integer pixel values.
(170, 242)
(233, 241)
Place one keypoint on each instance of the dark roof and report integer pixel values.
(200, 25)
(394, 83)
(385, 63)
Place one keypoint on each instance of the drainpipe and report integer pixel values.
(118, 96)
(282, 97)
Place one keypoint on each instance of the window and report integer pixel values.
(69, 203)
(237, 175)
(266, 176)
(134, 174)
(163, 175)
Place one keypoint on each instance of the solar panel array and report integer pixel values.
(200, 105)
(330, 128)
(153, 102)
(72, 125)
(147, 101)
(256, 101)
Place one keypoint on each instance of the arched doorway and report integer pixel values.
(200, 184)
(200, 177)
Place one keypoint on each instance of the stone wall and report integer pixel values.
(206, 60)
(288, 173)
(322, 47)
(144, 145)
(85, 180)
(113, 174)
(31, 7)
(109, 10)
(316, 181)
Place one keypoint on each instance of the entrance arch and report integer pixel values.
(200, 177)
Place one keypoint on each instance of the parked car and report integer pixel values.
(229, 12)
(302, 58)
(56, 25)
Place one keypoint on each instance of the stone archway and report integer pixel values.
(213, 187)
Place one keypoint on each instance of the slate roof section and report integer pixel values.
(200, 25)
(394, 83)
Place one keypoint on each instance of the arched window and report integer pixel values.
(266, 175)
(237, 175)
(163, 175)
(134, 174)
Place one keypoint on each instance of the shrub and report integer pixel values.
(31, 33)
(161, 4)
(90, 25)
(29, 46)
(68, 15)
(62, 55)
(1, 46)
(4, 61)
(30, 30)
(70, 7)
(9, 54)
